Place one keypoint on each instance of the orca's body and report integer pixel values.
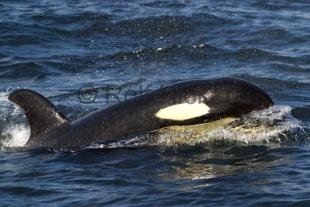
(187, 103)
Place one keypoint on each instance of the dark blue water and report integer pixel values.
(74, 52)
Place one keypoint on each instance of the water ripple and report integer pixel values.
(65, 48)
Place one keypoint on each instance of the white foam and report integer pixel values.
(16, 136)
(267, 126)
(14, 128)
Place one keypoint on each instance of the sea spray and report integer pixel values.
(14, 128)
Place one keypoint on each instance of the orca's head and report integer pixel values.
(209, 100)
(231, 97)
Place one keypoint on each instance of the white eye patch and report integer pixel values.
(183, 111)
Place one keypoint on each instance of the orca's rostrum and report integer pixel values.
(187, 103)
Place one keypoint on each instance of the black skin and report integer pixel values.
(226, 97)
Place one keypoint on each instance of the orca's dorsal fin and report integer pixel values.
(41, 113)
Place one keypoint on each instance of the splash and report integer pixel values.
(269, 126)
(14, 128)
(17, 136)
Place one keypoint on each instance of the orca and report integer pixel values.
(186, 103)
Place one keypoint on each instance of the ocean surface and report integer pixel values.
(78, 53)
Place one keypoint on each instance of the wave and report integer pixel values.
(277, 6)
(197, 52)
(273, 82)
(22, 70)
(272, 33)
(205, 52)
(45, 27)
(286, 67)
(302, 113)
(165, 4)
(69, 19)
(89, 24)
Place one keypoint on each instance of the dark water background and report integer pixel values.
(60, 47)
